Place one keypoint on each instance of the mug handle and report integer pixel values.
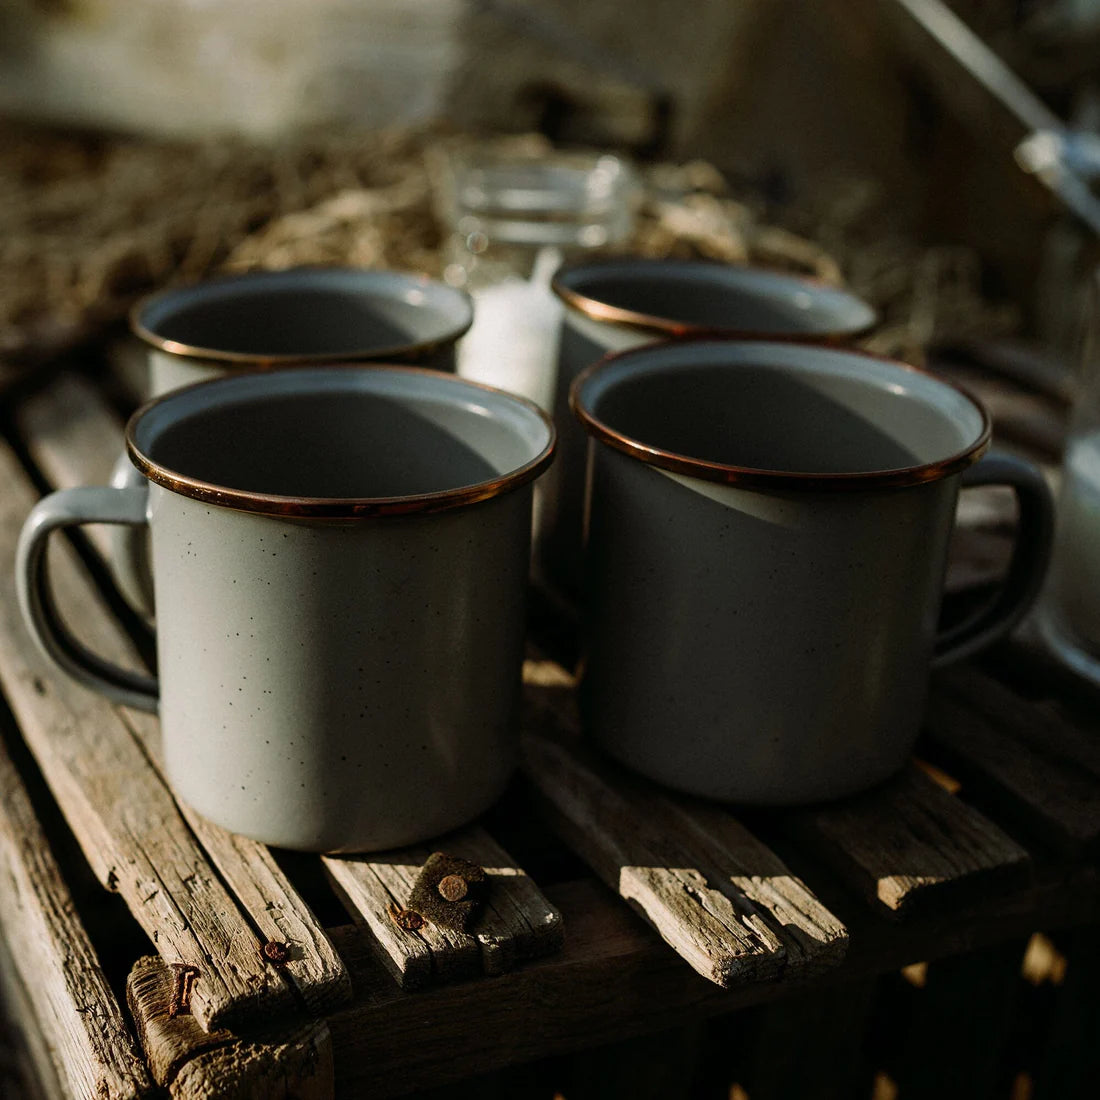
(70, 508)
(129, 547)
(1034, 533)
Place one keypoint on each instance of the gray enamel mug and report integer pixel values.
(340, 563)
(614, 305)
(265, 319)
(767, 534)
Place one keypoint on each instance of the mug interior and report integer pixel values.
(340, 434)
(782, 409)
(718, 297)
(305, 313)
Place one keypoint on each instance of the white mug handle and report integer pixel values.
(69, 508)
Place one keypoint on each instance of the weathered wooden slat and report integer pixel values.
(909, 845)
(1019, 756)
(293, 1062)
(615, 978)
(373, 888)
(713, 891)
(55, 961)
(1040, 724)
(74, 437)
(518, 923)
(118, 808)
(27, 1067)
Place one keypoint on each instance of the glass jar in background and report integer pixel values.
(514, 219)
(1069, 613)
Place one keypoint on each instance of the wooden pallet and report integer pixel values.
(992, 836)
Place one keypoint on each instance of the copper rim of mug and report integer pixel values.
(753, 478)
(597, 310)
(259, 361)
(322, 508)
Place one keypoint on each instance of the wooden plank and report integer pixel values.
(74, 437)
(293, 1062)
(615, 978)
(518, 923)
(27, 1067)
(908, 845)
(1043, 772)
(375, 887)
(119, 810)
(55, 961)
(713, 891)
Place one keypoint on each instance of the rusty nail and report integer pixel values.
(453, 887)
(181, 991)
(407, 919)
(276, 952)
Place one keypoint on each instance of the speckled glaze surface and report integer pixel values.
(761, 631)
(339, 683)
(612, 306)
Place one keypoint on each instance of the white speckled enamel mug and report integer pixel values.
(767, 533)
(615, 305)
(340, 560)
(264, 319)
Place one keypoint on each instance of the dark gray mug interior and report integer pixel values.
(853, 415)
(341, 433)
(720, 297)
(308, 312)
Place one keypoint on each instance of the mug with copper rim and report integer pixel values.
(617, 304)
(261, 320)
(340, 564)
(767, 530)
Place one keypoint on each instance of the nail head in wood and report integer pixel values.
(453, 887)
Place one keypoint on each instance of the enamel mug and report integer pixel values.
(613, 305)
(340, 563)
(767, 532)
(264, 319)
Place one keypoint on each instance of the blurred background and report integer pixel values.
(878, 141)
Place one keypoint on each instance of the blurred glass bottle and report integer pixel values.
(1069, 615)
(514, 218)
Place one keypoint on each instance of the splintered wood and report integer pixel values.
(291, 1060)
(713, 891)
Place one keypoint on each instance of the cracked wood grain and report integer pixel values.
(92, 1049)
(292, 1061)
(717, 895)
